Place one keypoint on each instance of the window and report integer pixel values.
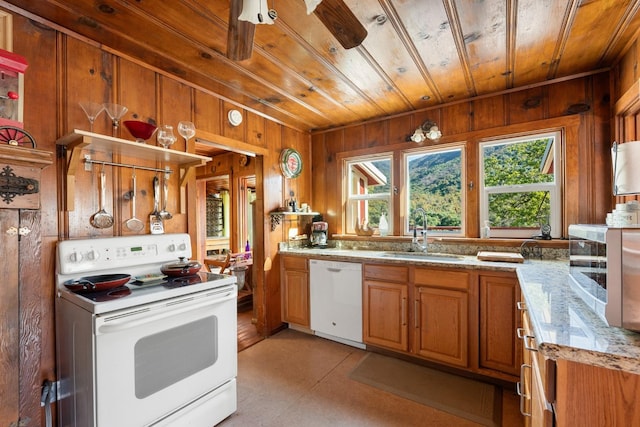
(369, 191)
(520, 185)
(434, 183)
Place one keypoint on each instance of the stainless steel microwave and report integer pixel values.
(604, 270)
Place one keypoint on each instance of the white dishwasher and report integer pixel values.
(336, 301)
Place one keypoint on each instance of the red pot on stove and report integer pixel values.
(181, 268)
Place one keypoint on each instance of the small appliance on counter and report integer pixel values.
(319, 234)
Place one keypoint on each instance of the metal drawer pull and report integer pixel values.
(404, 311)
(520, 333)
(523, 396)
(521, 305)
(527, 342)
(416, 308)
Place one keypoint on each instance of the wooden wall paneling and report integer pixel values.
(36, 43)
(207, 112)
(318, 201)
(31, 320)
(334, 213)
(526, 106)
(376, 134)
(175, 105)
(568, 97)
(573, 182)
(602, 141)
(137, 89)
(267, 302)
(354, 137)
(626, 71)
(255, 129)
(399, 129)
(455, 119)
(488, 113)
(88, 75)
(10, 322)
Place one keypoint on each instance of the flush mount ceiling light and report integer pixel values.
(257, 12)
(428, 130)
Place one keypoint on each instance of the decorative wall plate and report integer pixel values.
(290, 163)
(235, 117)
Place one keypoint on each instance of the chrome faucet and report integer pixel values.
(424, 247)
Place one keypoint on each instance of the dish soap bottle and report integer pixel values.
(383, 226)
(485, 232)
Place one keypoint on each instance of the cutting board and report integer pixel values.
(500, 256)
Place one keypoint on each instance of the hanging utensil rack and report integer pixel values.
(78, 141)
(126, 165)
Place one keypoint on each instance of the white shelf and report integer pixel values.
(79, 140)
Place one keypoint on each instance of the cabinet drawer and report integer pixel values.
(294, 263)
(388, 273)
(442, 278)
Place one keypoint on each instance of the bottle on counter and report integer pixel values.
(485, 232)
(383, 225)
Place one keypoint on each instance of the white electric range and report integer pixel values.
(153, 352)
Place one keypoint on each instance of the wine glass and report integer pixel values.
(115, 112)
(166, 138)
(187, 130)
(92, 110)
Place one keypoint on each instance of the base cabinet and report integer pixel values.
(384, 306)
(441, 316)
(295, 290)
(500, 349)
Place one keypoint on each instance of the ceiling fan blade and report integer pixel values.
(240, 34)
(342, 23)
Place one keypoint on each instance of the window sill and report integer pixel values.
(554, 243)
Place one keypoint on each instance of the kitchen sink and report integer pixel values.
(423, 256)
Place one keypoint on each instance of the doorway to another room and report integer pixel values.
(227, 233)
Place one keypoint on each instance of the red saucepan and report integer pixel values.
(97, 283)
(181, 268)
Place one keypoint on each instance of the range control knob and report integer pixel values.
(75, 257)
(93, 255)
(172, 248)
(182, 246)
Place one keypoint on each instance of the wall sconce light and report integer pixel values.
(626, 174)
(257, 12)
(428, 130)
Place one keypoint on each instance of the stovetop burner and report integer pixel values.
(108, 295)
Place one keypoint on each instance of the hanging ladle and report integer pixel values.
(102, 219)
(133, 223)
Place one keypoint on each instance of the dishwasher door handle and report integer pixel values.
(334, 270)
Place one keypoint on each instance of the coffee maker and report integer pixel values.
(319, 234)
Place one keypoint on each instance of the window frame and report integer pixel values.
(555, 188)
(404, 205)
(348, 199)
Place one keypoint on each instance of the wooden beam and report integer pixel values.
(240, 34)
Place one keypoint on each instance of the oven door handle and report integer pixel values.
(121, 322)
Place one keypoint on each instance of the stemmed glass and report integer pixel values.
(115, 112)
(166, 138)
(187, 130)
(92, 110)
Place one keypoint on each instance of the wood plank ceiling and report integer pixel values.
(417, 54)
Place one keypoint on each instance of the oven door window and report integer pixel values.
(171, 356)
(153, 359)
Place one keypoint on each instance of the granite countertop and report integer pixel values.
(564, 326)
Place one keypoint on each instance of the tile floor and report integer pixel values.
(296, 379)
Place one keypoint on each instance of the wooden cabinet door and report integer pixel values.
(385, 314)
(500, 349)
(441, 318)
(295, 291)
(9, 319)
